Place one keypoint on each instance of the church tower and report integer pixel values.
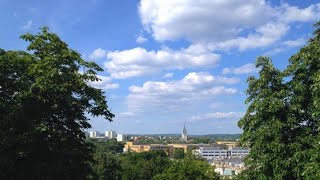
(184, 135)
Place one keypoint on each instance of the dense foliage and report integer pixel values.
(191, 169)
(178, 154)
(106, 164)
(281, 125)
(144, 165)
(44, 96)
(202, 140)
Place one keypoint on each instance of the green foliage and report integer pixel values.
(106, 166)
(144, 165)
(202, 140)
(110, 146)
(304, 70)
(190, 169)
(281, 125)
(43, 101)
(178, 154)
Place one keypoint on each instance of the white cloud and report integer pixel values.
(176, 94)
(98, 54)
(201, 21)
(140, 39)
(138, 61)
(245, 69)
(293, 13)
(257, 23)
(168, 75)
(264, 36)
(28, 25)
(285, 46)
(295, 43)
(217, 115)
(104, 83)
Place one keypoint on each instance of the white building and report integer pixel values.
(121, 137)
(93, 134)
(218, 153)
(110, 134)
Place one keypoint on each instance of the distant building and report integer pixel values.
(110, 134)
(121, 137)
(229, 144)
(218, 153)
(229, 166)
(93, 134)
(184, 135)
(129, 146)
(169, 148)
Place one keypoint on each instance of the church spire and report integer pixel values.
(184, 131)
(184, 136)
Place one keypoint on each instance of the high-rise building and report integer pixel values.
(184, 135)
(110, 134)
(93, 134)
(121, 137)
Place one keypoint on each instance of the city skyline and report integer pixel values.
(168, 62)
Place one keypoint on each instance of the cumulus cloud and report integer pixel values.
(217, 115)
(105, 83)
(176, 94)
(28, 25)
(258, 23)
(138, 61)
(98, 54)
(245, 69)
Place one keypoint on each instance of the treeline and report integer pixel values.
(111, 163)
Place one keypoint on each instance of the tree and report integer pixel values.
(304, 95)
(106, 166)
(265, 124)
(178, 154)
(110, 146)
(44, 97)
(202, 140)
(190, 169)
(281, 125)
(144, 165)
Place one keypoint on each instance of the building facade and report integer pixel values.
(121, 137)
(218, 153)
(93, 134)
(110, 134)
(229, 144)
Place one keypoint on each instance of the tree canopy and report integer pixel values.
(44, 99)
(281, 125)
(144, 165)
(191, 169)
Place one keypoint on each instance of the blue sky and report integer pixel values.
(169, 62)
